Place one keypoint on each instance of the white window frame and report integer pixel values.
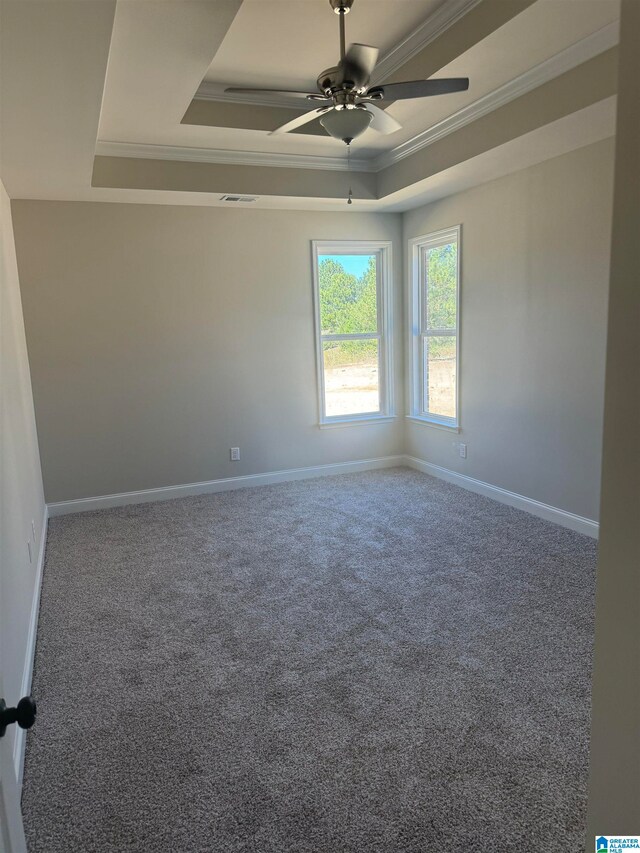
(381, 248)
(418, 331)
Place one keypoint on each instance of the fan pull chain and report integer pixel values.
(350, 195)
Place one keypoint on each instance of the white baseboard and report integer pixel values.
(222, 485)
(542, 510)
(19, 743)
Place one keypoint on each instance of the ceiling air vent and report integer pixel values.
(245, 199)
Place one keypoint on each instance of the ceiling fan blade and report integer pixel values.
(358, 63)
(382, 121)
(298, 121)
(316, 96)
(419, 88)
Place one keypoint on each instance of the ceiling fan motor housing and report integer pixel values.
(341, 80)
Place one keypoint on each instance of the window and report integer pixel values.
(352, 306)
(434, 319)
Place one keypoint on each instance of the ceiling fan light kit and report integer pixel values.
(346, 124)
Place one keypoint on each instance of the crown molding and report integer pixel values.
(567, 59)
(431, 29)
(223, 156)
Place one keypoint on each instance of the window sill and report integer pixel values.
(431, 423)
(382, 419)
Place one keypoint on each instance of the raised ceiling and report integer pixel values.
(140, 83)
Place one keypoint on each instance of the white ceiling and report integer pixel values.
(77, 72)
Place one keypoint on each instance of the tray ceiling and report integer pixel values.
(134, 109)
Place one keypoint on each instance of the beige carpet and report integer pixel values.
(372, 662)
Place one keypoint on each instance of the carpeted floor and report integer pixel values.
(370, 662)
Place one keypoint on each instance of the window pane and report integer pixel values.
(440, 375)
(440, 269)
(348, 294)
(351, 383)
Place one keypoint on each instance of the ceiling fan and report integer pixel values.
(348, 107)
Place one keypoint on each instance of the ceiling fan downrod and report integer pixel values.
(342, 8)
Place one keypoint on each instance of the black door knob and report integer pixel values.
(24, 714)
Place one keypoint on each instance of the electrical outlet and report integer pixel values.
(235, 454)
(462, 449)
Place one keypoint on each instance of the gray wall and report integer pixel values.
(535, 269)
(21, 497)
(161, 336)
(614, 803)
